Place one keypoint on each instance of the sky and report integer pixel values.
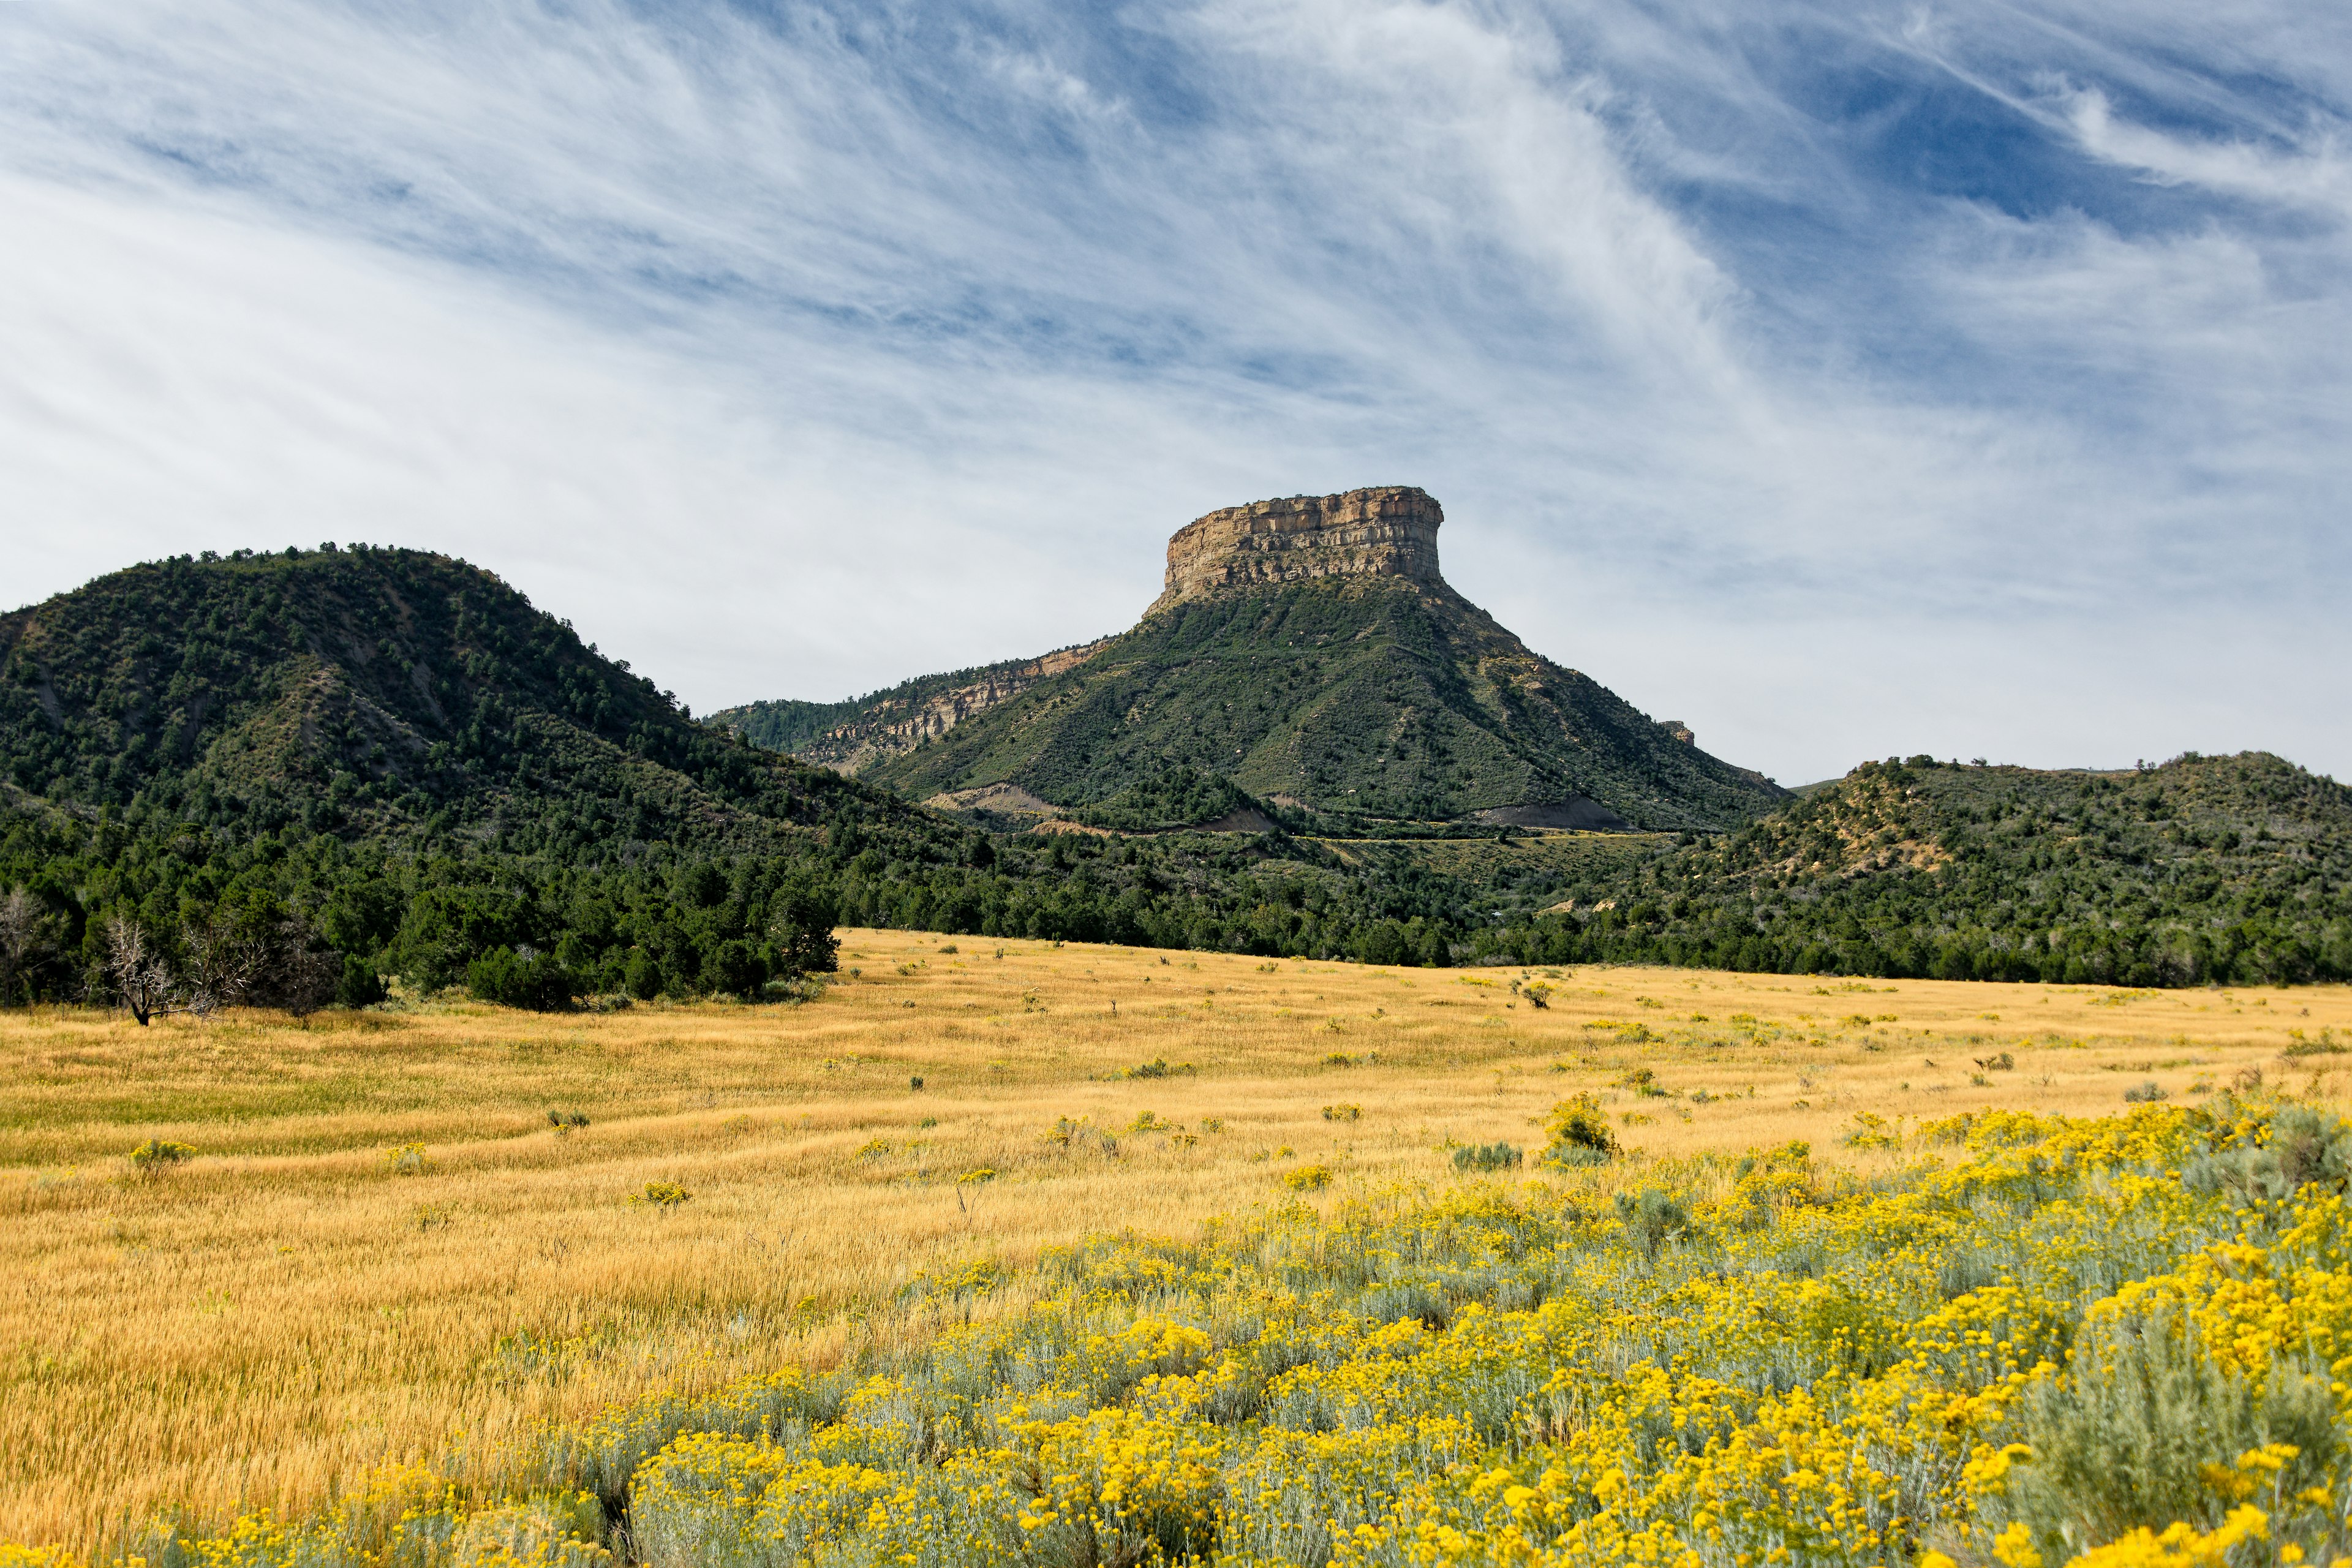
(1843, 380)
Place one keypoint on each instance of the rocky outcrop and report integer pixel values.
(1390, 531)
(897, 722)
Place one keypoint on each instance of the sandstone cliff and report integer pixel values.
(1387, 531)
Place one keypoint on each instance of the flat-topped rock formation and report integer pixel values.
(1307, 651)
(1389, 530)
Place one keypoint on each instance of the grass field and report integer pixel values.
(383, 1251)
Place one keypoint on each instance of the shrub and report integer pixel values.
(1644, 1083)
(566, 1122)
(1485, 1157)
(359, 985)
(663, 1195)
(2146, 1427)
(1579, 1133)
(2146, 1093)
(531, 980)
(956, 1282)
(1769, 1184)
(2305, 1146)
(1343, 1113)
(1870, 1131)
(406, 1160)
(1653, 1218)
(1066, 1131)
(158, 1153)
(1307, 1178)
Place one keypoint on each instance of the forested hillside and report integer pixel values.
(393, 756)
(1358, 699)
(851, 735)
(786, 724)
(2204, 870)
(349, 765)
(376, 693)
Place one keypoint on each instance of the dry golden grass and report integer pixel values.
(260, 1325)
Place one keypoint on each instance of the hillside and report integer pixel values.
(396, 758)
(1308, 650)
(399, 753)
(851, 735)
(370, 693)
(2206, 869)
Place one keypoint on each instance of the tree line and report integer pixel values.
(162, 917)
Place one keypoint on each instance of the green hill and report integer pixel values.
(372, 693)
(2206, 869)
(1351, 698)
(393, 762)
(786, 724)
(1308, 650)
(398, 752)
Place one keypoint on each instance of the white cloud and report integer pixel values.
(794, 355)
(2315, 175)
(182, 382)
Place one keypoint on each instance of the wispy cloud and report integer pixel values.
(2312, 170)
(1934, 379)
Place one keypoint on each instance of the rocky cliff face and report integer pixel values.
(1390, 530)
(899, 721)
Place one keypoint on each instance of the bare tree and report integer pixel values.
(23, 933)
(136, 970)
(224, 961)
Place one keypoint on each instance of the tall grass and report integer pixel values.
(382, 1252)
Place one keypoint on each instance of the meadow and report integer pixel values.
(446, 1257)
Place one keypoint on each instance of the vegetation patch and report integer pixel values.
(2099, 1342)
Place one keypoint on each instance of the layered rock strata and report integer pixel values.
(896, 724)
(1390, 530)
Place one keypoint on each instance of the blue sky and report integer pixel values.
(1844, 381)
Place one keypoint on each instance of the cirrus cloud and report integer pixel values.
(1932, 379)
